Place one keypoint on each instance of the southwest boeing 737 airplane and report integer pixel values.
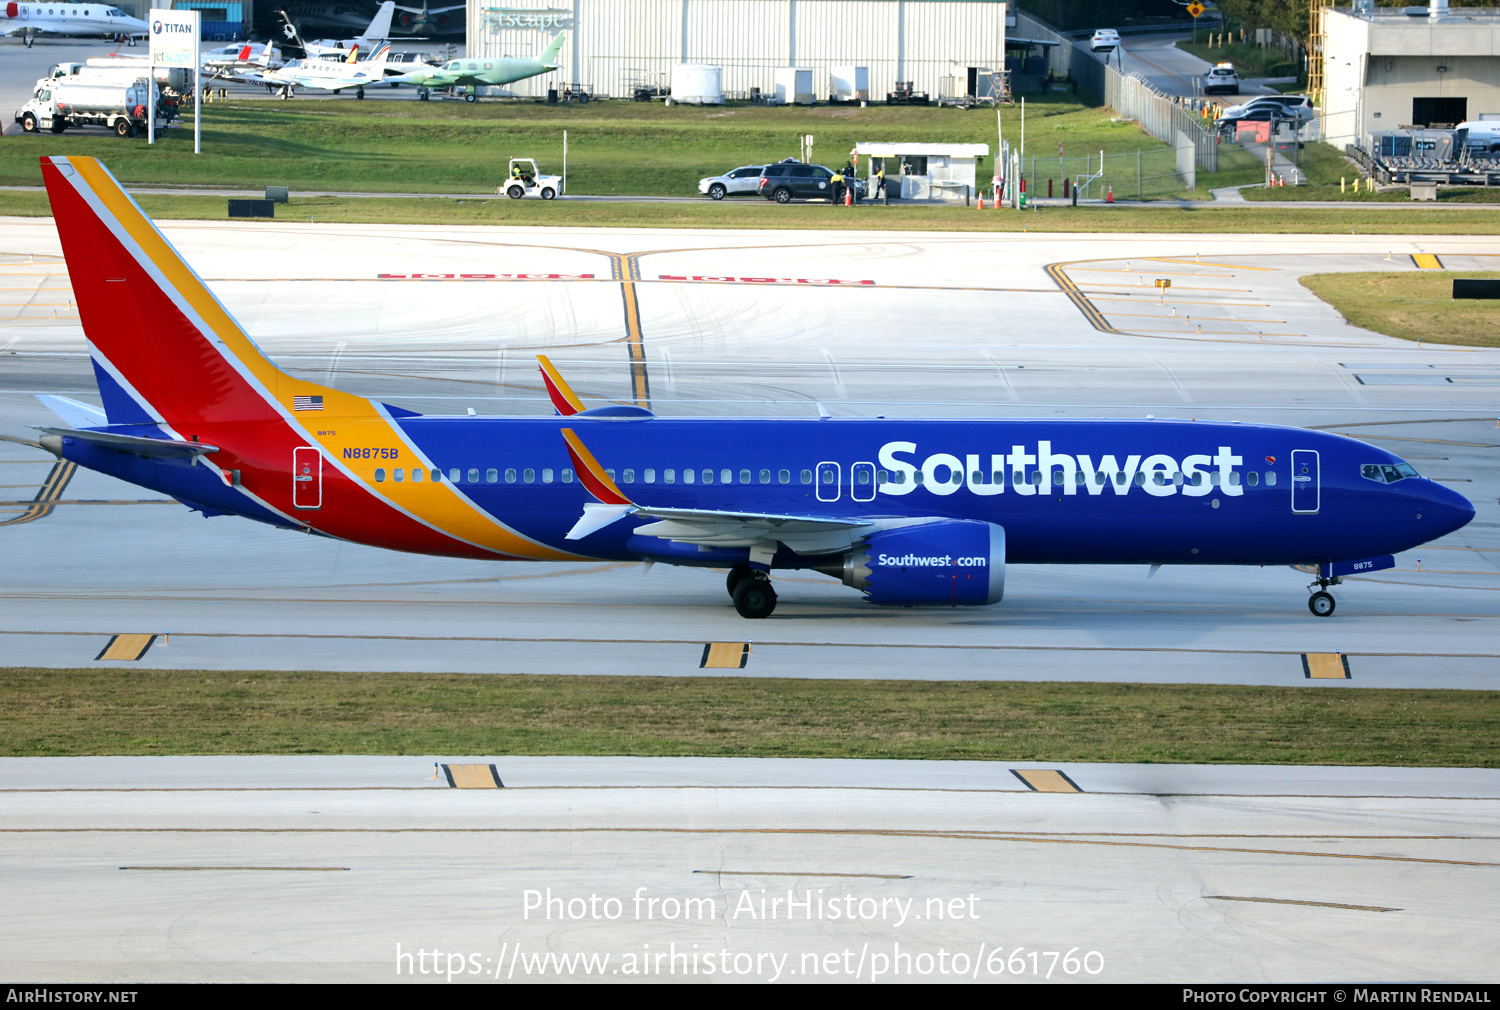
(910, 512)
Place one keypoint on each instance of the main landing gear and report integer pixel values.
(1321, 603)
(750, 588)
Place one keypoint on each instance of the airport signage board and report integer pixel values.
(174, 38)
(540, 18)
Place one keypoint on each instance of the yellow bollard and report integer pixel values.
(1341, 184)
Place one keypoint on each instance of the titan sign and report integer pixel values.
(500, 18)
(174, 38)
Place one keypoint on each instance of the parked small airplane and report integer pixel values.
(378, 31)
(241, 62)
(475, 73)
(910, 512)
(329, 75)
(29, 20)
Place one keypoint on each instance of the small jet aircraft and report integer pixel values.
(329, 75)
(29, 20)
(910, 512)
(378, 31)
(475, 73)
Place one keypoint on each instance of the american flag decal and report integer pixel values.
(307, 403)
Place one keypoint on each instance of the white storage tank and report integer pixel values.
(794, 86)
(850, 84)
(697, 84)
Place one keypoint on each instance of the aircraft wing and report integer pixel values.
(803, 534)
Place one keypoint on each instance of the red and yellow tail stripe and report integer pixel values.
(564, 400)
(174, 347)
(590, 474)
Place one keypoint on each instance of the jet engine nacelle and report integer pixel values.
(950, 562)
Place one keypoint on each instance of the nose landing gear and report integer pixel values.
(1321, 602)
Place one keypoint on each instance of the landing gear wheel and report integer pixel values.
(471, 98)
(754, 598)
(1321, 604)
(515, 192)
(360, 94)
(737, 574)
(423, 94)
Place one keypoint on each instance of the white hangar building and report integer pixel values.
(616, 46)
(1389, 67)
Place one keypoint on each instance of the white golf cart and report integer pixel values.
(523, 179)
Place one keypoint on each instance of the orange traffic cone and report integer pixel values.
(1109, 196)
(981, 199)
(849, 196)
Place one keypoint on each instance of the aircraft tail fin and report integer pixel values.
(564, 400)
(548, 56)
(165, 350)
(353, 56)
(380, 25)
(292, 46)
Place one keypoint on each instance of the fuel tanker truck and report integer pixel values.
(61, 103)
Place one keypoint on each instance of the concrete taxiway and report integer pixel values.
(751, 323)
(359, 869)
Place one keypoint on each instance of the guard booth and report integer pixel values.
(934, 173)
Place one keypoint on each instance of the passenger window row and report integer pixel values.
(650, 475)
(528, 475)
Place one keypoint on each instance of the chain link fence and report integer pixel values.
(1162, 116)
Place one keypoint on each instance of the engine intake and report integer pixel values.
(950, 562)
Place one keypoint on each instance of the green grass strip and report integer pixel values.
(142, 711)
(763, 215)
(1411, 305)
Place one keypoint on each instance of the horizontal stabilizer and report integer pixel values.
(79, 415)
(158, 447)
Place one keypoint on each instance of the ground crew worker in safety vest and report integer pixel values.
(838, 187)
(880, 180)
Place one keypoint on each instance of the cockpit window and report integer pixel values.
(1386, 473)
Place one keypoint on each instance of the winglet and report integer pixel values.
(590, 474)
(564, 400)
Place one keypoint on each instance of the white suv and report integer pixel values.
(741, 182)
(1105, 40)
(1221, 77)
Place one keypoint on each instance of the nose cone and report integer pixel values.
(1443, 510)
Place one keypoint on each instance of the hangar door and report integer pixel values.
(1450, 111)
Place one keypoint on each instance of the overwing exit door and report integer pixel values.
(828, 479)
(307, 477)
(1306, 487)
